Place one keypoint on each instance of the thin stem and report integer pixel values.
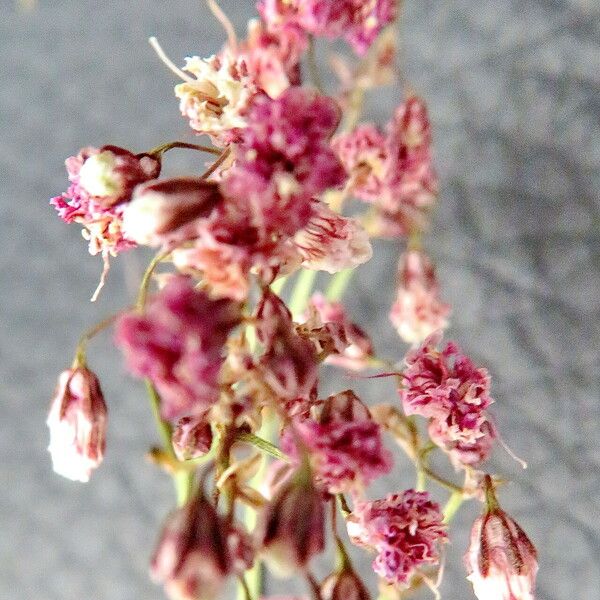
(263, 445)
(441, 481)
(421, 480)
(87, 335)
(338, 285)
(302, 291)
(313, 65)
(452, 506)
(143, 291)
(186, 145)
(222, 158)
(243, 589)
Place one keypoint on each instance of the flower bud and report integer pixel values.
(167, 210)
(292, 529)
(196, 551)
(344, 585)
(77, 423)
(192, 437)
(501, 561)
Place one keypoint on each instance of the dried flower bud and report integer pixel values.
(196, 551)
(501, 561)
(292, 528)
(192, 437)
(344, 585)
(167, 210)
(77, 423)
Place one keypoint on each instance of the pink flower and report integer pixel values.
(418, 311)
(192, 437)
(404, 529)
(178, 344)
(501, 561)
(283, 160)
(393, 171)
(345, 444)
(330, 242)
(196, 551)
(329, 327)
(356, 21)
(101, 181)
(167, 212)
(77, 423)
(447, 388)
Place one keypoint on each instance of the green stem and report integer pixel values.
(338, 285)
(263, 445)
(302, 291)
(313, 65)
(86, 336)
(170, 145)
(455, 489)
(454, 503)
(143, 291)
(421, 480)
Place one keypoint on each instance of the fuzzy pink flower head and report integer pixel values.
(192, 437)
(196, 551)
(357, 21)
(177, 344)
(501, 561)
(331, 242)
(394, 170)
(329, 326)
(345, 445)
(404, 529)
(447, 388)
(169, 211)
(418, 311)
(101, 181)
(283, 160)
(77, 423)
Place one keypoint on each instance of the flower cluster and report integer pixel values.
(177, 344)
(404, 529)
(393, 170)
(232, 358)
(417, 311)
(448, 389)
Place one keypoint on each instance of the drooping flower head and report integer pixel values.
(77, 423)
(102, 180)
(448, 389)
(404, 529)
(357, 21)
(177, 344)
(197, 550)
(417, 311)
(344, 444)
(501, 561)
(393, 170)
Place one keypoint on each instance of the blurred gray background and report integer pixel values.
(514, 92)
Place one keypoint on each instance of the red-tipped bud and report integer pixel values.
(167, 211)
(344, 585)
(501, 561)
(196, 551)
(192, 437)
(77, 423)
(292, 529)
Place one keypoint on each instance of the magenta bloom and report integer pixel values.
(447, 388)
(345, 444)
(418, 311)
(178, 345)
(357, 21)
(77, 423)
(394, 170)
(404, 529)
(283, 160)
(101, 181)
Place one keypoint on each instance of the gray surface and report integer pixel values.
(513, 89)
